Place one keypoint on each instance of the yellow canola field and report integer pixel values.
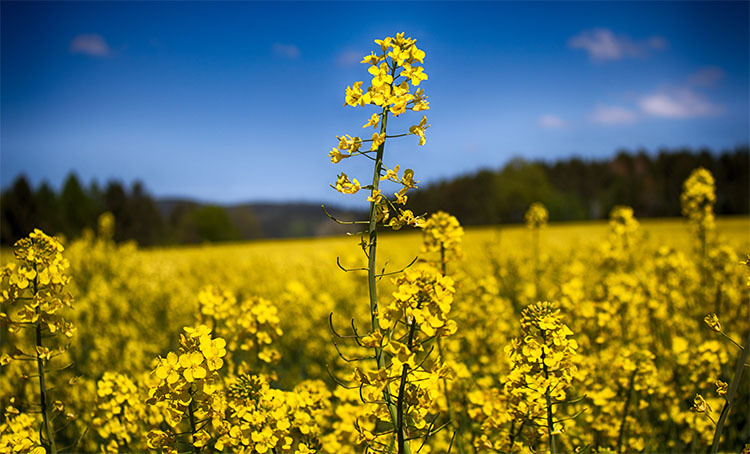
(635, 302)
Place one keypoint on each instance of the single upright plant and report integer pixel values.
(404, 380)
(623, 236)
(37, 283)
(698, 198)
(442, 236)
(541, 368)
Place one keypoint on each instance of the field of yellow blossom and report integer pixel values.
(636, 315)
(617, 336)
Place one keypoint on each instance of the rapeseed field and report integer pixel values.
(618, 336)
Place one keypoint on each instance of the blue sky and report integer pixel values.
(241, 101)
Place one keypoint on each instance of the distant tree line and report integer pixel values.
(137, 215)
(571, 189)
(578, 188)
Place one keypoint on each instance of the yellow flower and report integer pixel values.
(167, 369)
(345, 186)
(700, 405)
(373, 121)
(354, 95)
(721, 388)
(713, 322)
(213, 350)
(419, 130)
(377, 140)
(376, 196)
(191, 362)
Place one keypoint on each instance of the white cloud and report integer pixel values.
(602, 44)
(706, 77)
(551, 121)
(349, 57)
(289, 51)
(92, 45)
(612, 115)
(681, 103)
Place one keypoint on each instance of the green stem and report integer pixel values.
(623, 423)
(191, 415)
(731, 340)
(371, 266)
(403, 447)
(48, 432)
(730, 395)
(550, 427)
(459, 446)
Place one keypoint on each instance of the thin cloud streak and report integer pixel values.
(550, 121)
(612, 115)
(92, 45)
(682, 103)
(289, 51)
(602, 44)
(349, 58)
(706, 77)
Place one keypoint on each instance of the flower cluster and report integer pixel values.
(251, 333)
(395, 75)
(698, 199)
(255, 329)
(188, 387)
(536, 216)
(117, 412)
(19, 433)
(541, 366)
(623, 237)
(417, 313)
(442, 234)
(261, 419)
(423, 299)
(38, 280)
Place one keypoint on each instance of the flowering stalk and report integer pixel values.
(399, 58)
(37, 281)
(443, 234)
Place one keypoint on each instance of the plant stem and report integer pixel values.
(48, 432)
(191, 415)
(730, 394)
(371, 269)
(623, 423)
(403, 447)
(459, 446)
(550, 428)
